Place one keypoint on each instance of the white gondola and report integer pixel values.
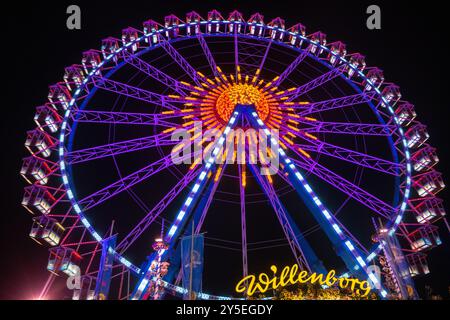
(130, 35)
(425, 238)
(47, 118)
(151, 27)
(318, 39)
(257, 25)
(376, 78)
(297, 31)
(417, 264)
(46, 229)
(234, 18)
(425, 159)
(429, 209)
(356, 61)
(171, 24)
(38, 142)
(193, 20)
(65, 260)
(59, 97)
(38, 198)
(110, 45)
(73, 76)
(213, 24)
(417, 135)
(277, 25)
(429, 183)
(405, 113)
(35, 170)
(91, 59)
(391, 94)
(337, 49)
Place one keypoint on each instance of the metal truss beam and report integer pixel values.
(116, 148)
(134, 92)
(180, 60)
(123, 118)
(243, 223)
(263, 61)
(317, 82)
(155, 73)
(355, 192)
(208, 55)
(125, 183)
(366, 129)
(351, 156)
(294, 64)
(347, 101)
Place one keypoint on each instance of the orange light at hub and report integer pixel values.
(241, 94)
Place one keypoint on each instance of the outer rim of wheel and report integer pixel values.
(393, 224)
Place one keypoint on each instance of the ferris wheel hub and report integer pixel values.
(243, 94)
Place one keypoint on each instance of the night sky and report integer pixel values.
(409, 48)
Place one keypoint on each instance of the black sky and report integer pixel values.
(410, 48)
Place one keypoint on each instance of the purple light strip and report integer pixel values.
(294, 64)
(156, 211)
(112, 149)
(155, 73)
(358, 158)
(366, 129)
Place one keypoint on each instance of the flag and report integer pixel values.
(196, 264)
(105, 271)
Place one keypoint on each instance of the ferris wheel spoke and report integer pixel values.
(282, 215)
(365, 129)
(116, 148)
(156, 211)
(376, 205)
(315, 83)
(294, 64)
(208, 55)
(125, 183)
(134, 92)
(236, 56)
(242, 184)
(180, 60)
(263, 61)
(358, 158)
(112, 117)
(155, 73)
(286, 179)
(336, 103)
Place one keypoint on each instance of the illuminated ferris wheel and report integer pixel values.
(102, 181)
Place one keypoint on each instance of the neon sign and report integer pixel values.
(290, 275)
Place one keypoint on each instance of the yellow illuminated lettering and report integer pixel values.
(290, 276)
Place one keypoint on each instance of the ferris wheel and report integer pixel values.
(103, 183)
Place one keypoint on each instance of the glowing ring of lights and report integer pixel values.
(392, 226)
